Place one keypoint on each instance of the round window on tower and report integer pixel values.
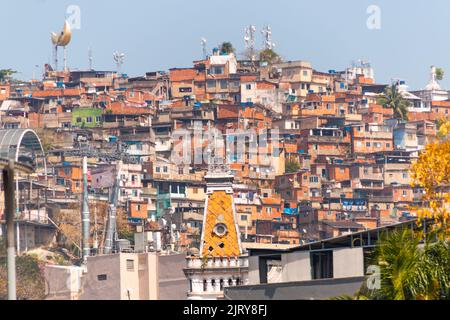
(220, 229)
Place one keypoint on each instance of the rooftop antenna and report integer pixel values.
(118, 59)
(91, 58)
(203, 42)
(267, 35)
(249, 40)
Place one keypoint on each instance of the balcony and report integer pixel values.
(39, 216)
(217, 263)
(369, 185)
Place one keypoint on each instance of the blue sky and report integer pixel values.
(157, 35)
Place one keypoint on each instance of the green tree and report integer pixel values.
(5, 75)
(439, 74)
(227, 48)
(269, 56)
(392, 98)
(291, 166)
(409, 269)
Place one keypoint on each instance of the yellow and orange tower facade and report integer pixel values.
(221, 261)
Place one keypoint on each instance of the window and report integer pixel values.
(405, 175)
(102, 277)
(130, 265)
(216, 70)
(305, 73)
(243, 217)
(158, 169)
(269, 210)
(329, 106)
(78, 119)
(98, 118)
(404, 193)
(248, 86)
(180, 170)
(89, 119)
(322, 264)
(185, 89)
(367, 144)
(211, 83)
(388, 145)
(234, 84)
(195, 190)
(223, 84)
(138, 207)
(165, 169)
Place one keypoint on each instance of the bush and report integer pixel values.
(29, 276)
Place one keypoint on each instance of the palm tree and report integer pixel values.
(439, 74)
(393, 98)
(269, 56)
(5, 75)
(410, 270)
(227, 48)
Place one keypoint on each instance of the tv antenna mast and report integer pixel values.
(249, 40)
(118, 59)
(267, 35)
(203, 42)
(91, 59)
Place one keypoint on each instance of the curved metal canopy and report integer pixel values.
(22, 146)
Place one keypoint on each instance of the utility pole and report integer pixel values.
(85, 215)
(8, 183)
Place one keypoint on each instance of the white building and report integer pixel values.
(432, 92)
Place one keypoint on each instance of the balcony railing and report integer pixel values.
(228, 262)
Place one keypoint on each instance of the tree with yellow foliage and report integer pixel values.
(432, 173)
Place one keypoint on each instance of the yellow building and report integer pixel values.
(221, 261)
